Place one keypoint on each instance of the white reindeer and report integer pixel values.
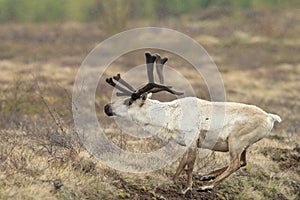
(241, 126)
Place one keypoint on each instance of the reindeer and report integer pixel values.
(242, 125)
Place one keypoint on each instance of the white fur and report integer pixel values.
(183, 120)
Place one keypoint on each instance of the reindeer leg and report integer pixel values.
(213, 175)
(243, 159)
(190, 163)
(181, 166)
(236, 156)
(234, 165)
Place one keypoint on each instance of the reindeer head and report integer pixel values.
(134, 106)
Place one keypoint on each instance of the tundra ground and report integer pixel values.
(256, 52)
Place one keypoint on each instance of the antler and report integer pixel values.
(150, 86)
(150, 64)
(153, 87)
(124, 91)
(159, 67)
(123, 82)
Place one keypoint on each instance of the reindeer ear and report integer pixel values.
(144, 96)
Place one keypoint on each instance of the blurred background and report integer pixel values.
(115, 15)
(255, 44)
(34, 11)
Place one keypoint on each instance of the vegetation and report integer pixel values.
(95, 10)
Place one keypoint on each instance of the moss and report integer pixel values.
(143, 188)
(123, 195)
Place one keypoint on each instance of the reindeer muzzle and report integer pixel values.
(107, 109)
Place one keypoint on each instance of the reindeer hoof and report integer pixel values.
(207, 178)
(187, 190)
(205, 189)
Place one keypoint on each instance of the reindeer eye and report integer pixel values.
(128, 102)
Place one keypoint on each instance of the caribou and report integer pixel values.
(242, 124)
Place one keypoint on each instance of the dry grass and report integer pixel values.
(42, 158)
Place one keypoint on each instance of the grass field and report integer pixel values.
(257, 53)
